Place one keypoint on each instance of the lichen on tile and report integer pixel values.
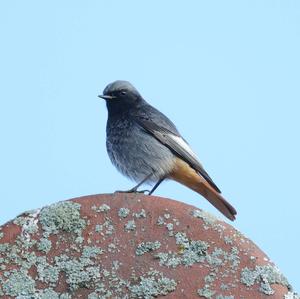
(123, 212)
(102, 208)
(206, 292)
(152, 285)
(291, 295)
(141, 214)
(130, 225)
(44, 245)
(19, 283)
(208, 218)
(264, 276)
(145, 247)
(62, 216)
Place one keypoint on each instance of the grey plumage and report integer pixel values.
(145, 145)
(140, 139)
(135, 153)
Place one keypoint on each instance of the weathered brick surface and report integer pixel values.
(131, 246)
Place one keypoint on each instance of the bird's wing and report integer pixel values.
(177, 145)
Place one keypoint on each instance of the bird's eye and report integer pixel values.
(123, 92)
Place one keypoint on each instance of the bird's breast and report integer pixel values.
(134, 152)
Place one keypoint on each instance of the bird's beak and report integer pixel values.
(106, 97)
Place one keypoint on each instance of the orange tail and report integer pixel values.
(187, 176)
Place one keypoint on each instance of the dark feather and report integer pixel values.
(164, 136)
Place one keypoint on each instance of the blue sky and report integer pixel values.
(226, 72)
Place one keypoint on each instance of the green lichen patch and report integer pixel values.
(141, 214)
(106, 228)
(4, 247)
(100, 292)
(170, 226)
(146, 247)
(170, 259)
(91, 251)
(102, 208)
(80, 273)
(208, 218)
(19, 283)
(160, 221)
(167, 216)
(194, 253)
(210, 278)
(44, 245)
(123, 212)
(28, 223)
(77, 264)
(47, 293)
(291, 295)
(152, 285)
(182, 240)
(206, 292)
(130, 225)
(219, 257)
(264, 276)
(47, 273)
(190, 252)
(228, 240)
(62, 216)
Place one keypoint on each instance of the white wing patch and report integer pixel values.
(184, 145)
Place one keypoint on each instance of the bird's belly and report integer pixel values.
(137, 154)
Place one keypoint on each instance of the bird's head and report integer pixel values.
(120, 95)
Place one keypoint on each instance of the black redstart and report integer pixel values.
(145, 145)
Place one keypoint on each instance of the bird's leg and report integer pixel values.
(134, 189)
(156, 185)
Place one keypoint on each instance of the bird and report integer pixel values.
(145, 145)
